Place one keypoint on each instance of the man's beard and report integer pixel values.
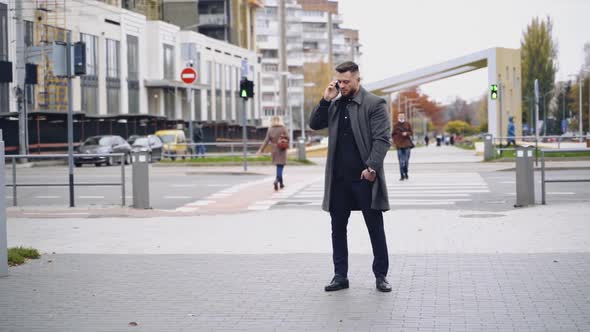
(350, 93)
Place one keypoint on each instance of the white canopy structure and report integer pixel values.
(503, 69)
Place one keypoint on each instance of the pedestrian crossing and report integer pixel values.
(422, 189)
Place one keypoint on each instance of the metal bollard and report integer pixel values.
(141, 180)
(301, 150)
(488, 147)
(525, 177)
(3, 232)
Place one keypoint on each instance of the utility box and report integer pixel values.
(301, 150)
(488, 147)
(141, 180)
(525, 176)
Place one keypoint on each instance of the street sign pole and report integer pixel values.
(70, 121)
(244, 132)
(3, 232)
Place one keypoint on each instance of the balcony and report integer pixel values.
(212, 19)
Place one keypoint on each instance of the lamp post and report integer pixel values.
(580, 102)
(545, 113)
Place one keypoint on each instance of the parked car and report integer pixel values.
(150, 144)
(103, 144)
(132, 139)
(174, 142)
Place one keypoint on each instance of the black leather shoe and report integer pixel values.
(406, 176)
(336, 284)
(383, 285)
(276, 185)
(402, 178)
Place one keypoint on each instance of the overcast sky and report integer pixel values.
(401, 35)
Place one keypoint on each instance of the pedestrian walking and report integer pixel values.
(511, 132)
(438, 140)
(452, 139)
(198, 140)
(426, 140)
(278, 138)
(402, 139)
(359, 132)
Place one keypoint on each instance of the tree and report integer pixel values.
(574, 97)
(317, 76)
(459, 127)
(430, 108)
(538, 61)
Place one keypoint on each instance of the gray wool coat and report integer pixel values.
(371, 128)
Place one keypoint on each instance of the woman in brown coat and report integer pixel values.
(275, 133)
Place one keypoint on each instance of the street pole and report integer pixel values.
(245, 133)
(283, 60)
(580, 121)
(20, 79)
(3, 232)
(70, 121)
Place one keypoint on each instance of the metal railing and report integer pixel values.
(216, 149)
(544, 180)
(15, 184)
(536, 140)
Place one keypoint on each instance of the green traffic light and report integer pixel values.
(494, 91)
(244, 94)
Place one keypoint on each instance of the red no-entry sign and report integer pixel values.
(188, 75)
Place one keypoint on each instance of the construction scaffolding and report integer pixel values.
(50, 23)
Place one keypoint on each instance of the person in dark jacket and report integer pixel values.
(402, 139)
(359, 132)
(198, 140)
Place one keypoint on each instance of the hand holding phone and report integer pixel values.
(332, 91)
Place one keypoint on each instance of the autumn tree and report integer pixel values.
(430, 108)
(317, 76)
(538, 61)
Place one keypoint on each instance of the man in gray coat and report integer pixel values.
(359, 130)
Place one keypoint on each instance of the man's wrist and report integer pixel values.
(372, 171)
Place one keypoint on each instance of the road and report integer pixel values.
(441, 178)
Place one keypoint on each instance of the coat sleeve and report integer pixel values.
(380, 133)
(319, 116)
(266, 140)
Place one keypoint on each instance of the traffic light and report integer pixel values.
(494, 91)
(246, 88)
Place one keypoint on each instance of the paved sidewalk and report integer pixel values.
(522, 270)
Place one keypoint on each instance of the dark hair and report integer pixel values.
(347, 66)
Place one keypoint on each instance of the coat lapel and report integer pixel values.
(358, 126)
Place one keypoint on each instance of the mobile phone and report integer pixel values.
(337, 86)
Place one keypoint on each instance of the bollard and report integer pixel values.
(488, 147)
(525, 177)
(3, 232)
(301, 150)
(141, 180)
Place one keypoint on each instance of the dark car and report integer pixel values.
(150, 144)
(102, 145)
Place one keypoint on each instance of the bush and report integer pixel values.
(459, 127)
(17, 255)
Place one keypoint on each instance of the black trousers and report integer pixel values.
(348, 195)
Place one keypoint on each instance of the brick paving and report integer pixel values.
(438, 292)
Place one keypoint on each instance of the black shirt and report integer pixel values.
(348, 162)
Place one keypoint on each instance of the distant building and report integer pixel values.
(133, 67)
(268, 42)
(229, 20)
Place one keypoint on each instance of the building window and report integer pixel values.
(112, 58)
(29, 33)
(169, 107)
(113, 77)
(218, 75)
(133, 74)
(168, 62)
(227, 70)
(89, 82)
(197, 110)
(190, 55)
